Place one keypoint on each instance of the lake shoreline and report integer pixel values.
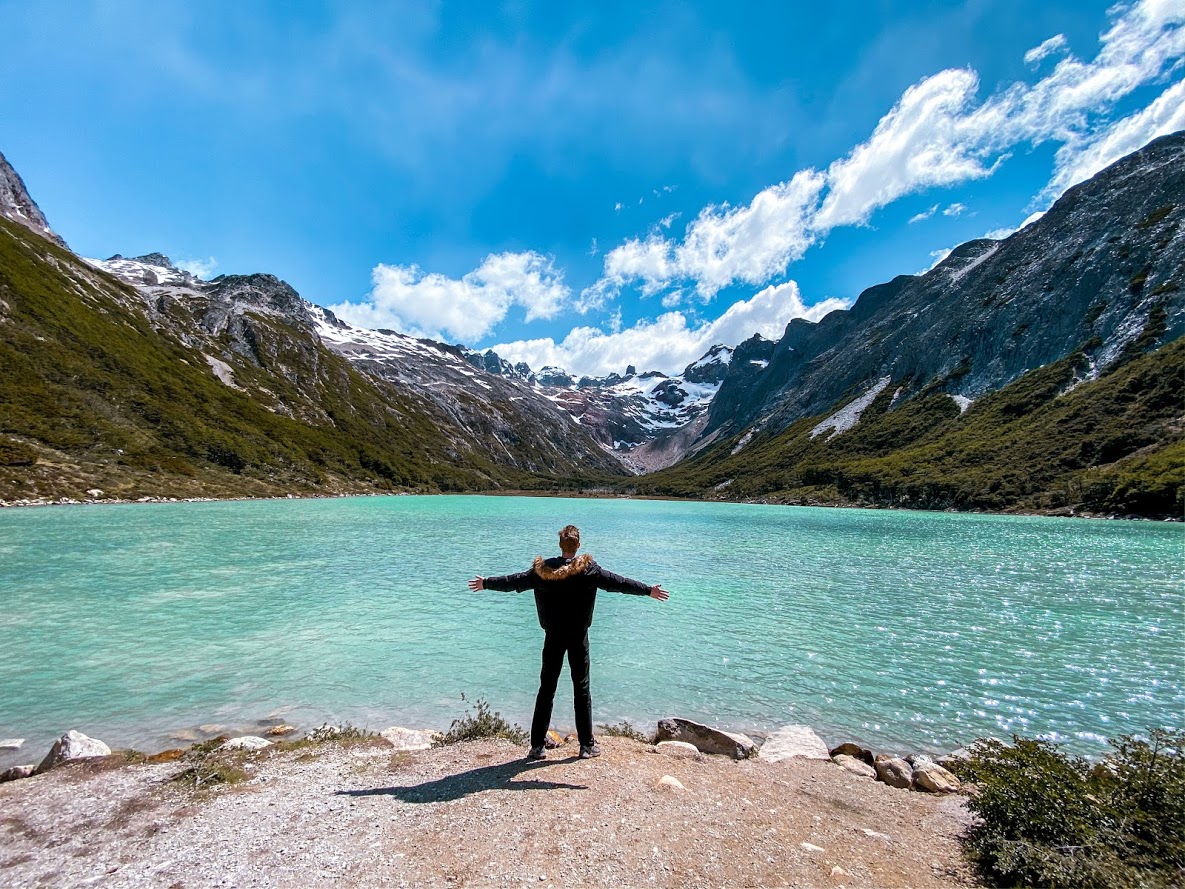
(1058, 513)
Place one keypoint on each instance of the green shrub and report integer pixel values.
(483, 724)
(15, 453)
(1051, 819)
(210, 772)
(625, 730)
(346, 733)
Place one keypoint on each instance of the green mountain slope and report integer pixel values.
(1044, 442)
(93, 395)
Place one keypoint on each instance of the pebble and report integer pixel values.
(668, 781)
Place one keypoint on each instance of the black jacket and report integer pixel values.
(566, 590)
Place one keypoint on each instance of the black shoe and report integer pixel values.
(536, 753)
(588, 751)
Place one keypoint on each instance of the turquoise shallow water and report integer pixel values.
(907, 630)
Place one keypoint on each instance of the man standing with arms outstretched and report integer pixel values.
(565, 594)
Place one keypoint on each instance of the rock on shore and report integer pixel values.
(72, 745)
(705, 738)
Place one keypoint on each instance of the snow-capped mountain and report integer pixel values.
(244, 323)
(626, 412)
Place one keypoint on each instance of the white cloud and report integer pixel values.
(648, 260)
(1077, 161)
(594, 249)
(617, 208)
(670, 342)
(921, 143)
(1037, 53)
(436, 306)
(954, 210)
(1145, 41)
(721, 246)
(924, 215)
(202, 268)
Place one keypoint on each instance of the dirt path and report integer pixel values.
(477, 814)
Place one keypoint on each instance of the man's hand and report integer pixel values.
(657, 592)
(477, 584)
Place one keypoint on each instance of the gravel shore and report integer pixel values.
(476, 814)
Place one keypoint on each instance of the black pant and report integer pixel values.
(555, 646)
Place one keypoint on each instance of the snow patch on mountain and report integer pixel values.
(150, 270)
(222, 371)
(849, 415)
(957, 274)
(379, 345)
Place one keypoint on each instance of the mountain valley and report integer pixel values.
(1039, 372)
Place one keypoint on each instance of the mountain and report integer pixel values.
(1100, 269)
(17, 205)
(1042, 371)
(644, 417)
(178, 386)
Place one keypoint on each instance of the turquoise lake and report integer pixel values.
(906, 631)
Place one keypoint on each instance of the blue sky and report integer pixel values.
(585, 185)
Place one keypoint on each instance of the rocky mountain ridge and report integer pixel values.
(1101, 270)
(16, 204)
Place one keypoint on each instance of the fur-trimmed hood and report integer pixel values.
(577, 566)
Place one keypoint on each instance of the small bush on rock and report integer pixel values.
(483, 724)
(1051, 819)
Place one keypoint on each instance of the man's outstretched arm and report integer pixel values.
(506, 583)
(615, 583)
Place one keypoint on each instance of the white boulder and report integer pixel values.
(408, 740)
(72, 745)
(894, 771)
(246, 742)
(793, 740)
(669, 783)
(930, 776)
